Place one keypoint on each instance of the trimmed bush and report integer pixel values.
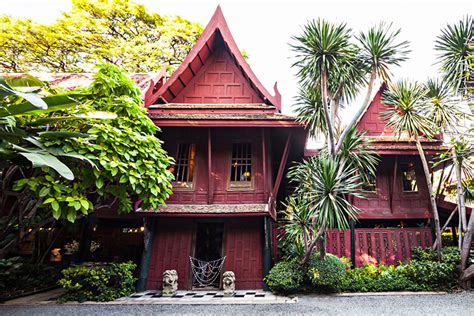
(101, 283)
(285, 277)
(370, 278)
(326, 274)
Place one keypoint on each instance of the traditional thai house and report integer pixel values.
(231, 145)
(232, 148)
(396, 214)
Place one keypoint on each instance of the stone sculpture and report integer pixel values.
(170, 282)
(228, 283)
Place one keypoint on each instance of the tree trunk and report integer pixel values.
(466, 243)
(324, 99)
(359, 113)
(461, 202)
(434, 208)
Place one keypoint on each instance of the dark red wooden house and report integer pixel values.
(231, 146)
(396, 214)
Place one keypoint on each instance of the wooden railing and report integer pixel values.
(378, 245)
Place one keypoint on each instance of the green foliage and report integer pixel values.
(405, 101)
(325, 274)
(370, 278)
(121, 32)
(18, 274)
(422, 273)
(285, 277)
(98, 282)
(454, 51)
(130, 162)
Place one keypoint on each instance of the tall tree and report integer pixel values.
(128, 162)
(334, 65)
(455, 55)
(120, 32)
(406, 102)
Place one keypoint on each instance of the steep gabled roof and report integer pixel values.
(216, 33)
(384, 140)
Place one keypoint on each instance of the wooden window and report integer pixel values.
(409, 177)
(241, 165)
(370, 185)
(185, 165)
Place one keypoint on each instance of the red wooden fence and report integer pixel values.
(378, 245)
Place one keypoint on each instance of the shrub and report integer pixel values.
(433, 274)
(98, 282)
(450, 255)
(325, 274)
(18, 274)
(370, 278)
(285, 277)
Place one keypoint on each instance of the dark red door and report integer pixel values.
(244, 252)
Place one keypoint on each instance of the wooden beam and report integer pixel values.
(284, 158)
(264, 159)
(210, 186)
(394, 183)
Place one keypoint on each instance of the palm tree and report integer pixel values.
(332, 69)
(453, 48)
(323, 183)
(380, 51)
(455, 55)
(406, 102)
(323, 48)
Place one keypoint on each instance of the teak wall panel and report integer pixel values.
(404, 204)
(222, 141)
(218, 81)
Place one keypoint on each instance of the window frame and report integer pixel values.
(403, 169)
(374, 191)
(240, 185)
(186, 185)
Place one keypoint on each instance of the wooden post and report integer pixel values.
(264, 169)
(84, 252)
(394, 183)
(353, 245)
(455, 237)
(148, 237)
(267, 259)
(210, 187)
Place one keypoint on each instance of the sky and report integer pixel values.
(264, 28)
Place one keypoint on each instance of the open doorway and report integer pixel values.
(208, 253)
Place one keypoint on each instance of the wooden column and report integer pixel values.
(394, 183)
(267, 257)
(210, 184)
(84, 252)
(264, 167)
(148, 237)
(353, 245)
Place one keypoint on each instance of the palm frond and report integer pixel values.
(453, 49)
(380, 49)
(405, 101)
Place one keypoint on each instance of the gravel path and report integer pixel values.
(449, 304)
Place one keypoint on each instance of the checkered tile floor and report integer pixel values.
(203, 297)
(197, 294)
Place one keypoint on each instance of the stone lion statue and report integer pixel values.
(228, 283)
(170, 282)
